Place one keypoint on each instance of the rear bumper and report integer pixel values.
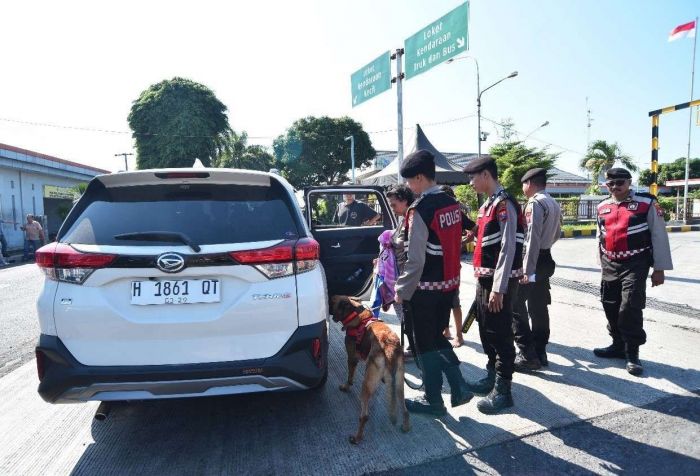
(294, 367)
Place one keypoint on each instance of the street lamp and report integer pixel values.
(479, 92)
(544, 124)
(352, 155)
(478, 103)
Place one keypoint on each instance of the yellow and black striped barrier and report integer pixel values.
(655, 138)
(469, 247)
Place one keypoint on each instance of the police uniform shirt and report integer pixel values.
(467, 223)
(543, 219)
(661, 249)
(418, 232)
(508, 223)
(354, 214)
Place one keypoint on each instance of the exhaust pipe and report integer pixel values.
(103, 411)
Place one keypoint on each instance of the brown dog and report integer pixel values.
(372, 340)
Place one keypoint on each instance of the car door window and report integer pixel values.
(347, 222)
(344, 210)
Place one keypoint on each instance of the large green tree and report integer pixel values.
(314, 151)
(602, 156)
(671, 171)
(175, 122)
(514, 159)
(235, 153)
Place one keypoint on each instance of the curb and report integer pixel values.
(591, 233)
(469, 247)
(682, 228)
(577, 233)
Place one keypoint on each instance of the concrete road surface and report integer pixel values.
(581, 415)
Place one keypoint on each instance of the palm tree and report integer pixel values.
(602, 156)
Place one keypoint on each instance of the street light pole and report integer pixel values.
(478, 102)
(125, 154)
(352, 155)
(479, 92)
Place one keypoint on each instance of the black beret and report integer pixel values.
(418, 162)
(477, 165)
(618, 173)
(532, 173)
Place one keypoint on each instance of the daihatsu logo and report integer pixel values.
(170, 262)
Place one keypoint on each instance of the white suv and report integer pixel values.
(191, 282)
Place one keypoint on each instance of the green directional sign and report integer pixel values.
(437, 42)
(371, 79)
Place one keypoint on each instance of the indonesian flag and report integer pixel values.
(687, 29)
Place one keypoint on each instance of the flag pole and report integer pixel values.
(686, 217)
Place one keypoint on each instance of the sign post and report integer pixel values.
(372, 79)
(439, 41)
(399, 102)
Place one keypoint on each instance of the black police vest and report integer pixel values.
(489, 237)
(624, 228)
(443, 217)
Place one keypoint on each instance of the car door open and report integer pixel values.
(347, 221)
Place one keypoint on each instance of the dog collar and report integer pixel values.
(349, 318)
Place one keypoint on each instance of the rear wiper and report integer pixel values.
(171, 236)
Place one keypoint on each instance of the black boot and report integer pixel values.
(499, 398)
(431, 403)
(485, 385)
(458, 386)
(634, 366)
(616, 350)
(526, 362)
(423, 405)
(542, 355)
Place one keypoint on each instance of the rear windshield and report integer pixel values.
(207, 214)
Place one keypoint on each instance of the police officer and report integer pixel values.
(426, 287)
(498, 267)
(543, 222)
(631, 239)
(467, 226)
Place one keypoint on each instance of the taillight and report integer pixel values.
(283, 259)
(277, 254)
(316, 351)
(62, 262)
(307, 252)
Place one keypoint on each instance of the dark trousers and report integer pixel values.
(3, 244)
(35, 244)
(496, 328)
(623, 292)
(429, 313)
(533, 299)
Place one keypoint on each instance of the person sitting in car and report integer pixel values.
(354, 213)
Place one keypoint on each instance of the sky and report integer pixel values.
(71, 71)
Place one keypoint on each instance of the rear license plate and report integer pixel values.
(186, 291)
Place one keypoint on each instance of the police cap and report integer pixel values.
(618, 173)
(477, 165)
(418, 162)
(532, 173)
